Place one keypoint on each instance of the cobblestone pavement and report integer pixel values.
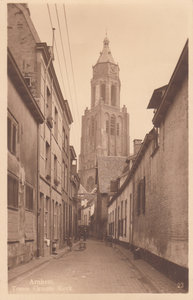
(97, 269)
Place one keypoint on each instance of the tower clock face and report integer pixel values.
(113, 69)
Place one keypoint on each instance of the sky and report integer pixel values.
(146, 40)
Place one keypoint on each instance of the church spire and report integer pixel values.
(105, 55)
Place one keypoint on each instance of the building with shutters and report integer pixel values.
(23, 120)
(53, 158)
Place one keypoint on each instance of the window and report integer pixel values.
(66, 143)
(56, 220)
(66, 178)
(49, 103)
(11, 134)
(55, 167)
(56, 123)
(107, 126)
(92, 127)
(113, 95)
(29, 197)
(113, 120)
(141, 197)
(48, 160)
(117, 128)
(125, 217)
(103, 91)
(12, 191)
(63, 138)
(46, 217)
(121, 229)
(63, 174)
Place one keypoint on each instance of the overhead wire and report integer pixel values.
(69, 47)
(64, 57)
(57, 53)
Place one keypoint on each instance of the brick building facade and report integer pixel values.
(56, 202)
(23, 119)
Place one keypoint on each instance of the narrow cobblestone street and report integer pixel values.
(97, 269)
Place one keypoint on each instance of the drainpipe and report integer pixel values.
(46, 72)
(38, 194)
(116, 222)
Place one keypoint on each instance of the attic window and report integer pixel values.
(28, 81)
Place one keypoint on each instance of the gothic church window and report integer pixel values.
(117, 128)
(113, 122)
(107, 126)
(103, 92)
(92, 127)
(113, 95)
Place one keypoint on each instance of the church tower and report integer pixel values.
(105, 127)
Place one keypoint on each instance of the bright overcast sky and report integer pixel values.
(146, 39)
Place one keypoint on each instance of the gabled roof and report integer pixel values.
(109, 168)
(82, 190)
(180, 72)
(139, 156)
(43, 47)
(156, 97)
(105, 55)
(22, 88)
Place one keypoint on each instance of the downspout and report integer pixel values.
(116, 221)
(46, 72)
(38, 188)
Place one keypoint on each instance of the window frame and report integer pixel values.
(10, 204)
(29, 201)
(12, 138)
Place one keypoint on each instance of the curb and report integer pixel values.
(28, 269)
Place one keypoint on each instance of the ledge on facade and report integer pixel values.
(22, 88)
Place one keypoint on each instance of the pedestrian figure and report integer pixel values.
(69, 243)
(85, 234)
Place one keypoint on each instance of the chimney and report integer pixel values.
(136, 145)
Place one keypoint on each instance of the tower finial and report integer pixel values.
(106, 32)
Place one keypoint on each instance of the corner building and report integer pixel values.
(105, 127)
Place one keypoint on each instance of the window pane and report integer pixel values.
(29, 198)
(9, 134)
(12, 192)
(14, 140)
